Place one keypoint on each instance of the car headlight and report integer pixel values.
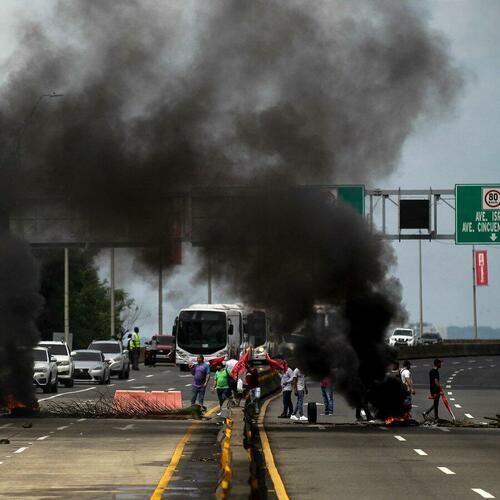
(40, 370)
(96, 368)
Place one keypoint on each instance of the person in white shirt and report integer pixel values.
(286, 388)
(299, 386)
(407, 381)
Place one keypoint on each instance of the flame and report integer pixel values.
(15, 406)
(402, 418)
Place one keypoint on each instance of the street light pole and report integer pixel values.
(66, 295)
(112, 292)
(474, 298)
(420, 286)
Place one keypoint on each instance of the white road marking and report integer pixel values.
(448, 386)
(457, 405)
(445, 470)
(456, 362)
(382, 428)
(414, 406)
(62, 427)
(468, 415)
(492, 366)
(81, 420)
(4, 426)
(444, 429)
(138, 387)
(452, 399)
(149, 376)
(111, 385)
(450, 393)
(420, 452)
(480, 367)
(66, 393)
(42, 438)
(1, 463)
(130, 379)
(171, 389)
(470, 368)
(184, 376)
(483, 493)
(400, 438)
(20, 450)
(126, 428)
(187, 385)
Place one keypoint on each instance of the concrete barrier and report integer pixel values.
(450, 349)
(157, 400)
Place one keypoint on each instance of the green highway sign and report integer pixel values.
(477, 214)
(352, 195)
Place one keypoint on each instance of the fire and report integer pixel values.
(401, 419)
(18, 408)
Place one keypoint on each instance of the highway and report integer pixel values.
(338, 458)
(110, 458)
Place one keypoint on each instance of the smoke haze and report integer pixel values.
(163, 96)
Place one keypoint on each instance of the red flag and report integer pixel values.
(447, 404)
(241, 365)
(216, 361)
(276, 364)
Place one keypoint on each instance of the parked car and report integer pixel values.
(403, 336)
(91, 365)
(165, 350)
(430, 338)
(44, 370)
(65, 366)
(116, 356)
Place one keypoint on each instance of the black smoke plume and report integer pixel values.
(160, 97)
(19, 306)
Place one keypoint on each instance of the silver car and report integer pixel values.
(116, 356)
(44, 370)
(91, 365)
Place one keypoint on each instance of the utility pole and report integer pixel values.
(160, 293)
(209, 276)
(420, 286)
(474, 299)
(66, 295)
(112, 292)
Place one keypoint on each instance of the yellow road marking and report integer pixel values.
(279, 487)
(174, 461)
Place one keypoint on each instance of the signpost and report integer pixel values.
(477, 214)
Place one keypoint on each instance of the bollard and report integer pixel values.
(312, 412)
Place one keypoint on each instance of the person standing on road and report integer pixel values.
(251, 384)
(130, 348)
(299, 387)
(221, 385)
(286, 388)
(154, 349)
(327, 392)
(136, 351)
(407, 381)
(201, 376)
(435, 389)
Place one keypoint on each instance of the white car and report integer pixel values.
(44, 370)
(116, 356)
(65, 365)
(403, 336)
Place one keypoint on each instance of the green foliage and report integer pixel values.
(89, 299)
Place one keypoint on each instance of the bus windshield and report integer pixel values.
(202, 332)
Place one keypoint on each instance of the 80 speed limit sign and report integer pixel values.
(491, 198)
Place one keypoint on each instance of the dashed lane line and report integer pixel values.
(445, 470)
(20, 450)
(468, 415)
(448, 386)
(62, 427)
(42, 438)
(450, 393)
(81, 420)
(4, 426)
(187, 385)
(171, 389)
(420, 452)
(400, 438)
(66, 393)
(452, 399)
(149, 376)
(482, 493)
(457, 405)
(444, 429)
(130, 379)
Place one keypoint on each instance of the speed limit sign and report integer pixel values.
(491, 198)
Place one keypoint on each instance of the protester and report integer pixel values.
(233, 382)
(153, 350)
(251, 384)
(363, 406)
(300, 388)
(435, 389)
(201, 376)
(327, 392)
(286, 389)
(221, 385)
(408, 384)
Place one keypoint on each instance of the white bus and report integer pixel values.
(217, 330)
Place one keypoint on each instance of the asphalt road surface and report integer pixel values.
(349, 460)
(111, 458)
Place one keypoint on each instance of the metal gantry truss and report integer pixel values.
(438, 198)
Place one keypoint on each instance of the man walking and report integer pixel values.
(221, 385)
(407, 381)
(201, 376)
(299, 386)
(286, 389)
(435, 389)
(327, 392)
(136, 344)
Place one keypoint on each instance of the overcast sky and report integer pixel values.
(463, 148)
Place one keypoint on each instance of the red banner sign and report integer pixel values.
(481, 268)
